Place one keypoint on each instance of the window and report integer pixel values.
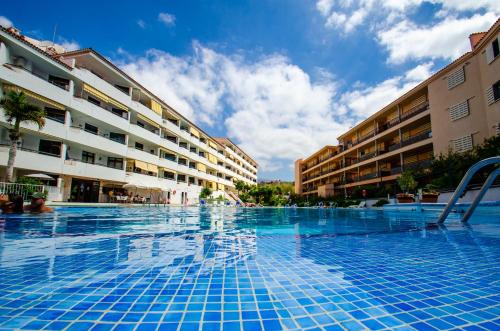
(55, 114)
(456, 77)
(118, 137)
(492, 51)
(463, 144)
(139, 146)
(59, 82)
(140, 124)
(49, 147)
(181, 178)
(124, 89)
(459, 110)
(120, 112)
(90, 128)
(493, 93)
(94, 101)
(169, 175)
(115, 162)
(88, 157)
(182, 161)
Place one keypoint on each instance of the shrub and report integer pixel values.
(381, 202)
(205, 193)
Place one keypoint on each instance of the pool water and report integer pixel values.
(248, 269)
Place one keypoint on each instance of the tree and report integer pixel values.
(407, 182)
(18, 110)
(240, 186)
(205, 192)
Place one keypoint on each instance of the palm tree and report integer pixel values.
(17, 110)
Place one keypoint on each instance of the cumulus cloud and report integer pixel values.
(271, 107)
(5, 22)
(393, 27)
(69, 45)
(167, 19)
(407, 41)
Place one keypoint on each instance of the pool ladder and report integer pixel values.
(463, 184)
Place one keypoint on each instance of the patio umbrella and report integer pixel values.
(40, 176)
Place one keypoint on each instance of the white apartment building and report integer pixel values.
(105, 131)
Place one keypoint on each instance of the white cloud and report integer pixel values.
(69, 45)
(5, 22)
(141, 24)
(271, 107)
(446, 40)
(392, 26)
(167, 19)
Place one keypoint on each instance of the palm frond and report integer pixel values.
(17, 108)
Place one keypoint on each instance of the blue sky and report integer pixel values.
(280, 78)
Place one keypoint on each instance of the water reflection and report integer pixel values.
(329, 261)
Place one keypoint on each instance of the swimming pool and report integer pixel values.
(247, 269)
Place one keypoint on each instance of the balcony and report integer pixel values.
(416, 138)
(32, 82)
(99, 141)
(32, 159)
(415, 110)
(368, 176)
(367, 156)
(418, 165)
(102, 114)
(139, 131)
(102, 85)
(136, 154)
(367, 136)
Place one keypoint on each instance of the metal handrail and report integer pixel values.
(487, 184)
(463, 184)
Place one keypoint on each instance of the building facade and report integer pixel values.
(105, 131)
(456, 108)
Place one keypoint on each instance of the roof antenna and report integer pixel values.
(54, 36)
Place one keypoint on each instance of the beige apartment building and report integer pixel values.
(456, 108)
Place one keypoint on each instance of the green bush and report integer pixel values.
(205, 193)
(381, 202)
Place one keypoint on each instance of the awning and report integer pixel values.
(147, 120)
(194, 132)
(169, 170)
(221, 187)
(141, 165)
(212, 158)
(156, 107)
(33, 95)
(152, 168)
(212, 144)
(201, 167)
(95, 92)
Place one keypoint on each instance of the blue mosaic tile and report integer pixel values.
(247, 269)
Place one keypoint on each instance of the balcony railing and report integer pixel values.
(95, 163)
(24, 149)
(61, 83)
(416, 138)
(367, 156)
(418, 164)
(104, 135)
(368, 176)
(415, 110)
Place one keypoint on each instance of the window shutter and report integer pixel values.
(490, 96)
(459, 110)
(455, 78)
(463, 144)
(489, 54)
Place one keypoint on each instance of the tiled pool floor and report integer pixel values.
(259, 269)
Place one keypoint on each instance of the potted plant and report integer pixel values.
(407, 184)
(429, 194)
